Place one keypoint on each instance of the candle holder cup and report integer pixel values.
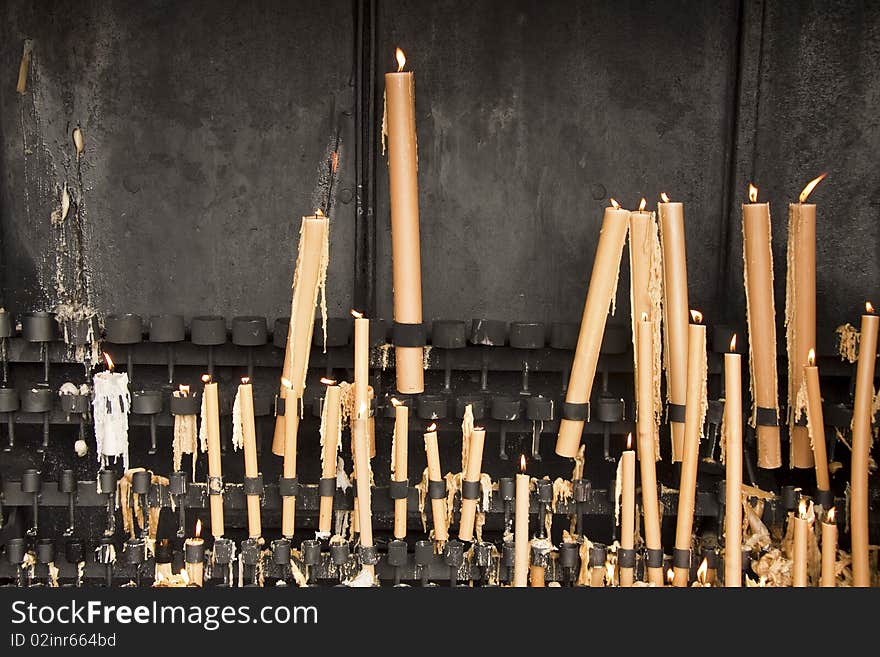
(208, 331)
(448, 335)
(396, 557)
(177, 484)
(249, 331)
(432, 407)
(39, 400)
(453, 556)
(424, 556)
(67, 484)
(40, 327)
(539, 409)
(505, 409)
(9, 404)
(125, 330)
(476, 402)
(527, 337)
(32, 484)
(149, 403)
(168, 330)
(487, 333)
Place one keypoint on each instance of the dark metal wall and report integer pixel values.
(208, 128)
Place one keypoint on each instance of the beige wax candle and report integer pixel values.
(400, 132)
(647, 466)
(800, 313)
(693, 422)
(829, 551)
(212, 416)
(627, 506)
(537, 577)
(288, 468)
(400, 462)
(816, 422)
(761, 312)
(361, 359)
(311, 267)
(438, 505)
(251, 469)
(675, 310)
(603, 284)
(521, 528)
(362, 474)
(330, 423)
(799, 552)
(861, 447)
(733, 467)
(472, 474)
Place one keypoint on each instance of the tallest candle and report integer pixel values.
(400, 132)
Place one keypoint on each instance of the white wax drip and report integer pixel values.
(110, 406)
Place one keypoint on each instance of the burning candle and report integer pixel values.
(470, 487)
(675, 315)
(627, 507)
(521, 527)
(603, 284)
(194, 557)
(288, 467)
(399, 464)
(800, 315)
(693, 423)
(110, 407)
(733, 467)
(215, 471)
(861, 447)
(816, 423)
(251, 469)
(829, 550)
(361, 359)
(799, 555)
(400, 131)
(647, 435)
(362, 475)
(308, 279)
(760, 310)
(436, 484)
(331, 428)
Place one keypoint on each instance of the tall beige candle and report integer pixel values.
(251, 469)
(861, 447)
(472, 475)
(816, 422)
(362, 473)
(288, 468)
(693, 424)
(627, 507)
(438, 505)
(308, 277)
(603, 285)
(400, 132)
(212, 416)
(733, 467)
(799, 553)
(761, 312)
(331, 426)
(647, 435)
(675, 311)
(401, 464)
(829, 551)
(521, 528)
(800, 316)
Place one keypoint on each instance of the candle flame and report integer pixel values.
(829, 517)
(670, 575)
(664, 196)
(811, 186)
(245, 380)
(395, 402)
(733, 344)
(319, 212)
(431, 428)
(753, 193)
(356, 314)
(697, 316)
(703, 571)
(328, 382)
(183, 390)
(198, 527)
(869, 307)
(644, 317)
(206, 378)
(629, 440)
(811, 357)
(802, 508)
(108, 360)
(286, 383)
(642, 204)
(614, 204)
(522, 463)
(401, 59)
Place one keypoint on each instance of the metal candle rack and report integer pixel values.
(513, 377)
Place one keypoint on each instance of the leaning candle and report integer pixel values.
(331, 427)
(799, 553)
(829, 551)
(194, 557)
(400, 131)
(861, 447)
(603, 284)
(470, 485)
(215, 471)
(693, 423)
(800, 316)
(647, 434)
(400, 465)
(251, 469)
(362, 475)
(816, 426)
(521, 528)
(761, 314)
(675, 315)
(436, 484)
(288, 468)
(308, 280)
(627, 513)
(733, 467)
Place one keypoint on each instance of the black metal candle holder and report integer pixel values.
(311, 556)
(39, 400)
(32, 483)
(7, 330)
(539, 409)
(107, 487)
(208, 331)
(149, 403)
(224, 553)
(67, 484)
(397, 558)
(453, 556)
(8, 406)
(248, 332)
(177, 484)
(40, 327)
(505, 409)
(125, 330)
(168, 330)
(16, 549)
(447, 336)
(487, 333)
(45, 553)
(527, 337)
